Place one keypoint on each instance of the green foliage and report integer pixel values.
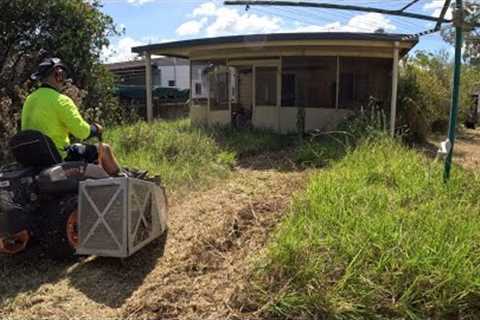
(371, 121)
(180, 154)
(471, 48)
(324, 148)
(74, 30)
(245, 142)
(321, 151)
(425, 92)
(377, 236)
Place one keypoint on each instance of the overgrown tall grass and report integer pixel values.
(378, 236)
(185, 155)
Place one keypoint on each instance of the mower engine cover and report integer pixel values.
(65, 177)
(17, 193)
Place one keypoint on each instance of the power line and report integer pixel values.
(334, 16)
(335, 6)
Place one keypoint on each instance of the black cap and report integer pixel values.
(47, 66)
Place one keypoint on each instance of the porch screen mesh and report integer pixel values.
(266, 86)
(309, 82)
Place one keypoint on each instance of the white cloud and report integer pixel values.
(367, 22)
(121, 51)
(139, 2)
(214, 20)
(230, 21)
(435, 7)
(191, 27)
(205, 9)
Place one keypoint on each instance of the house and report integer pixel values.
(170, 85)
(269, 77)
(166, 72)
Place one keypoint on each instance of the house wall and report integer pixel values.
(199, 114)
(180, 74)
(324, 119)
(219, 117)
(315, 118)
(265, 117)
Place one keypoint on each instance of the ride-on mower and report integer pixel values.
(75, 207)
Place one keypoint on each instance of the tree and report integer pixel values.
(471, 53)
(425, 91)
(74, 30)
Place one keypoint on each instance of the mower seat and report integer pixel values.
(31, 148)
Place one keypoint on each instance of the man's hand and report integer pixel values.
(99, 128)
(96, 130)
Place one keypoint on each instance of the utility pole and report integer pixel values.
(459, 24)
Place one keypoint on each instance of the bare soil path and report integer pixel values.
(467, 148)
(213, 235)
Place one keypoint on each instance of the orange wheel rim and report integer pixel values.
(72, 229)
(15, 243)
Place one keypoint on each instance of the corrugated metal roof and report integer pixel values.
(277, 37)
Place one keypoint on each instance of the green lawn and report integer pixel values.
(377, 236)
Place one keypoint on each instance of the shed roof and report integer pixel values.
(185, 47)
(127, 65)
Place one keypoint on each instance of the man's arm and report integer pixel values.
(71, 118)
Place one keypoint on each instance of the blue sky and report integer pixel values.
(154, 21)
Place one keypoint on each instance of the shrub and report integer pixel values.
(7, 128)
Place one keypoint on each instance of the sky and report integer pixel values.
(155, 21)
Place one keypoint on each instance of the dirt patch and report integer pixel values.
(213, 235)
(467, 148)
(217, 233)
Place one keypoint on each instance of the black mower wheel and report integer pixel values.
(60, 230)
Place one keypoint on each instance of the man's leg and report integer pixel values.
(107, 159)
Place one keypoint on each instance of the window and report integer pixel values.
(171, 83)
(198, 88)
(288, 89)
(309, 82)
(362, 78)
(266, 86)
(199, 72)
(354, 89)
(218, 83)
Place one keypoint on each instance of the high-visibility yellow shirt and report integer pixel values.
(55, 115)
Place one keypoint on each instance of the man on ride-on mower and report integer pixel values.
(55, 115)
